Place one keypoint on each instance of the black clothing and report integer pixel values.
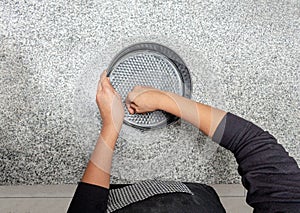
(270, 175)
(205, 199)
(89, 198)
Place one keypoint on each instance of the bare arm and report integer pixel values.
(92, 192)
(145, 99)
(112, 114)
(93, 173)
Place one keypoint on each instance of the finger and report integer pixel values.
(127, 102)
(132, 108)
(131, 111)
(103, 75)
(105, 83)
(131, 96)
(135, 107)
(129, 105)
(99, 87)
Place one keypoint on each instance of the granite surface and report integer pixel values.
(244, 57)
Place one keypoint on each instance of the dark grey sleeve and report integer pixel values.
(270, 175)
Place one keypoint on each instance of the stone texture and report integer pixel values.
(244, 57)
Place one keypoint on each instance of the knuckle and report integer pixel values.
(137, 87)
(129, 94)
(106, 89)
(98, 101)
(104, 83)
(130, 97)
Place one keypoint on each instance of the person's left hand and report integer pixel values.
(109, 103)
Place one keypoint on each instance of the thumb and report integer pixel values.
(129, 106)
(106, 83)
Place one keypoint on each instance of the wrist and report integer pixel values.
(109, 134)
(163, 99)
(110, 128)
(112, 123)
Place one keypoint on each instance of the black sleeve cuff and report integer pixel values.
(232, 130)
(218, 134)
(89, 198)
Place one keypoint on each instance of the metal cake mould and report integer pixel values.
(149, 64)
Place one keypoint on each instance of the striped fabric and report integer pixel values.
(119, 198)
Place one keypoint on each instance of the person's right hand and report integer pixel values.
(143, 99)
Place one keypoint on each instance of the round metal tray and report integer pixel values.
(154, 65)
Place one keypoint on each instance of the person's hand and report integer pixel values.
(109, 103)
(143, 99)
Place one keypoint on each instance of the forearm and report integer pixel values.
(92, 192)
(98, 168)
(204, 117)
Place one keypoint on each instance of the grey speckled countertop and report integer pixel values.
(244, 57)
